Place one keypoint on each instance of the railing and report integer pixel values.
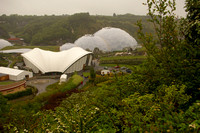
(11, 86)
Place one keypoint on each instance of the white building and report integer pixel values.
(15, 74)
(104, 72)
(63, 78)
(67, 61)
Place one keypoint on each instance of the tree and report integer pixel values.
(192, 36)
(92, 74)
(193, 17)
(164, 60)
(173, 58)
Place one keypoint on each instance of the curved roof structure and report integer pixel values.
(4, 43)
(67, 46)
(116, 38)
(90, 42)
(47, 61)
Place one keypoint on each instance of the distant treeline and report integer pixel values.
(56, 30)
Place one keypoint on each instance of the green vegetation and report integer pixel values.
(6, 82)
(16, 95)
(128, 60)
(3, 61)
(56, 30)
(10, 59)
(50, 48)
(122, 58)
(86, 74)
(92, 75)
(72, 83)
(161, 95)
(3, 33)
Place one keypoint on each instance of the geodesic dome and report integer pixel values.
(90, 42)
(116, 38)
(4, 43)
(67, 46)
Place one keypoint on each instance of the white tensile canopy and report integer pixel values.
(66, 61)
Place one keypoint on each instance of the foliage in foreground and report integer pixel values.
(109, 109)
(21, 115)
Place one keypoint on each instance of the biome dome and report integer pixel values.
(91, 42)
(116, 38)
(67, 46)
(4, 43)
(106, 39)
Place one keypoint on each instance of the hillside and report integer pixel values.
(56, 30)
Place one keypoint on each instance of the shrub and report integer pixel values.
(72, 83)
(86, 74)
(76, 79)
(92, 74)
(19, 94)
(101, 79)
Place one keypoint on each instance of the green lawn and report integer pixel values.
(6, 82)
(50, 48)
(123, 57)
(85, 74)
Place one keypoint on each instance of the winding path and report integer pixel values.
(41, 84)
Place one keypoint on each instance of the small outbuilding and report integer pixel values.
(63, 78)
(104, 72)
(3, 77)
(15, 74)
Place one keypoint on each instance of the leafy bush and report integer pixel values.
(19, 94)
(86, 74)
(42, 97)
(100, 79)
(76, 79)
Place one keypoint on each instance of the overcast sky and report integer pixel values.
(94, 7)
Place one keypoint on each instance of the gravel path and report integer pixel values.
(41, 84)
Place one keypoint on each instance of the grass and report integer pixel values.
(72, 83)
(77, 79)
(122, 57)
(50, 48)
(85, 74)
(6, 82)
